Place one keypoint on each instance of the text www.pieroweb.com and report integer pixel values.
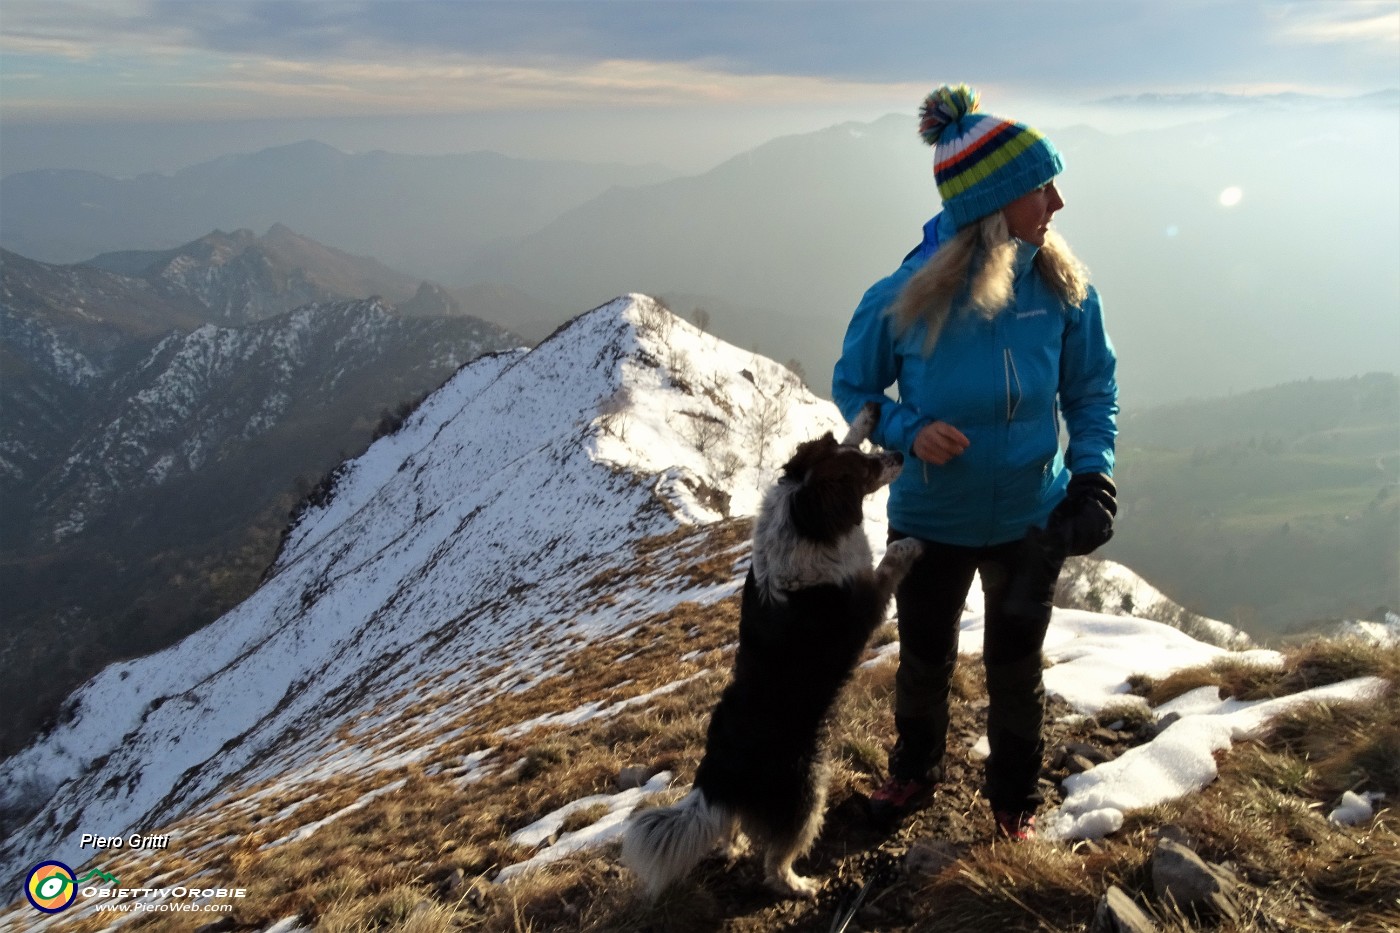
(166, 900)
(163, 907)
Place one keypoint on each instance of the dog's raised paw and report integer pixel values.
(902, 553)
(735, 848)
(863, 424)
(791, 884)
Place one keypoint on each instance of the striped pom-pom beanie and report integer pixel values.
(981, 163)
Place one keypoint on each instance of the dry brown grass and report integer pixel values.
(1310, 664)
(390, 865)
(1026, 887)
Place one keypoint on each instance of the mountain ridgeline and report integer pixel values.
(415, 212)
(777, 244)
(163, 414)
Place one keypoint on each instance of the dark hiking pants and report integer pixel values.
(929, 603)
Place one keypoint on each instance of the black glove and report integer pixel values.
(1083, 522)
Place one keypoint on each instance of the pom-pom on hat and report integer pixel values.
(982, 163)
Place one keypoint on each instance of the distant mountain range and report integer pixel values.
(782, 242)
(778, 244)
(422, 214)
(161, 420)
(240, 277)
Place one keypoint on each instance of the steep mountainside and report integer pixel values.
(79, 340)
(68, 331)
(148, 459)
(201, 400)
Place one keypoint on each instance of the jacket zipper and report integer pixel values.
(1009, 368)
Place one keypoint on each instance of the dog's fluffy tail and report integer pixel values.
(664, 844)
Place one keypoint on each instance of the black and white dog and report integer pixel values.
(811, 601)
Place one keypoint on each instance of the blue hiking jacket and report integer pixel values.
(1005, 383)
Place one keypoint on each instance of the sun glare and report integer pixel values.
(1231, 196)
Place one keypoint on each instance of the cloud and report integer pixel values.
(1357, 23)
(157, 59)
(454, 84)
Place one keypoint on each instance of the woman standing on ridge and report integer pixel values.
(991, 332)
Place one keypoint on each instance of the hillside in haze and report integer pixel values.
(421, 214)
(1219, 245)
(1200, 298)
(282, 263)
(421, 720)
(159, 427)
(1276, 510)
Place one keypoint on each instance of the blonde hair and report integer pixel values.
(981, 258)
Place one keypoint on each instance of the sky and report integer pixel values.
(139, 85)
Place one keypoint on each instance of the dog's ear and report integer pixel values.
(807, 455)
(826, 507)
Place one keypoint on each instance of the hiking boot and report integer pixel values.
(1018, 827)
(898, 796)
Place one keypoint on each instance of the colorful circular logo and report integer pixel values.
(51, 887)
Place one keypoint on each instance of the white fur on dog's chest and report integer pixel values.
(784, 560)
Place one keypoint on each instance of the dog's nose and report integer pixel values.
(898, 457)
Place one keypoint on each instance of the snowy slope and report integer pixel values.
(432, 559)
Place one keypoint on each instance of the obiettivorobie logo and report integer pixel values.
(53, 887)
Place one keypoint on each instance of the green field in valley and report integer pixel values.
(1276, 511)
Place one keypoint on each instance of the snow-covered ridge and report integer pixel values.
(519, 480)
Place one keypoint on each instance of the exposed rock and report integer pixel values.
(454, 885)
(930, 856)
(1183, 878)
(218, 926)
(1077, 757)
(1078, 764)
(1092, 753)
(1118, 913)
(1153, 729)
(634, 776)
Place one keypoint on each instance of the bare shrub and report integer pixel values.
(614, 413)
(703, 430)
(771, 405)
(682, 369)
(655, 320)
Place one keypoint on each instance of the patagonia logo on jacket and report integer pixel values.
(1038, 312)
